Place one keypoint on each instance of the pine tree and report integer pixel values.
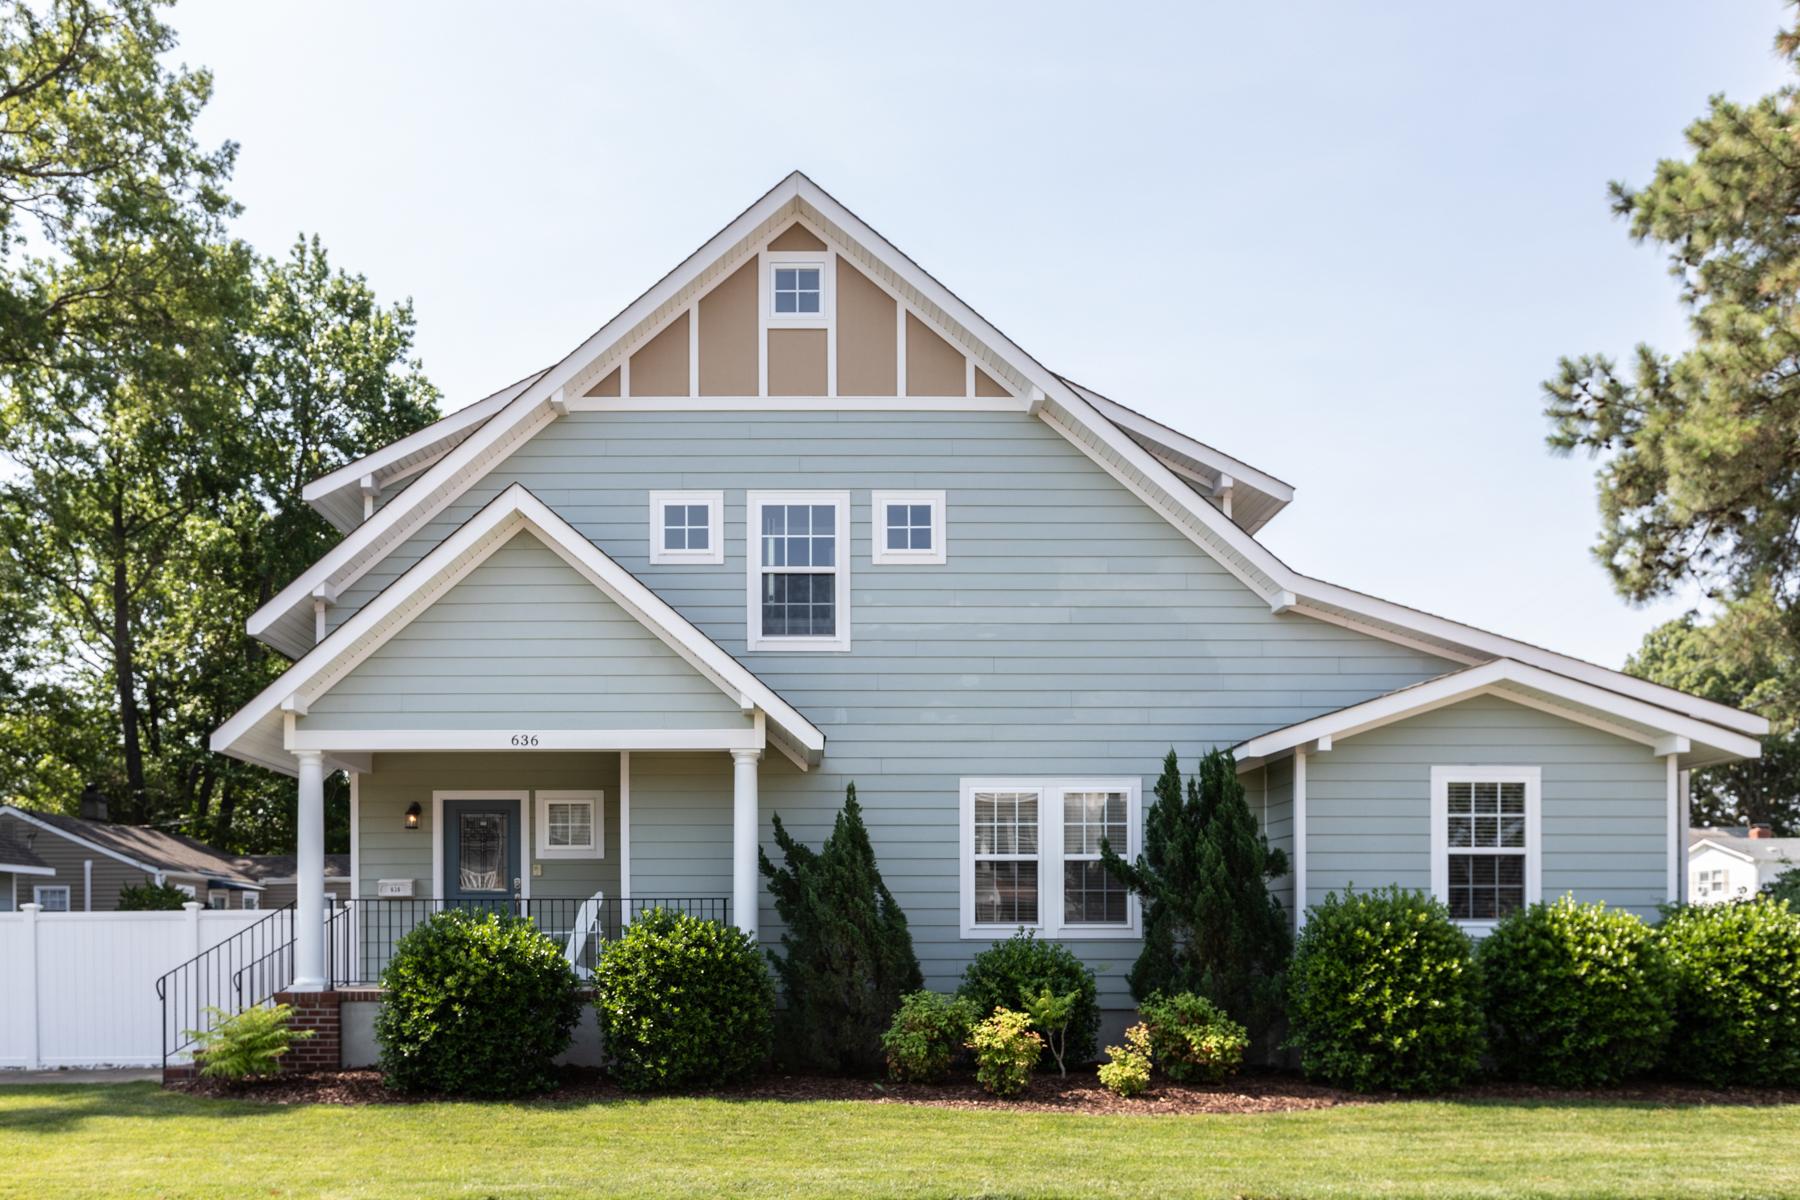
(849, 956)
(1210, 925)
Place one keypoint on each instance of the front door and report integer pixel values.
(481, 852)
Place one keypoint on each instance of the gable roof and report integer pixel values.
(18, 858)
(1696, 742)
(267, 868)
(1122, 443)
(257, 733)
(1769, 849)
(153, 851)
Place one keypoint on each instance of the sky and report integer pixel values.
(1342, 242)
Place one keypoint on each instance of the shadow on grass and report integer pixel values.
(49, 1108)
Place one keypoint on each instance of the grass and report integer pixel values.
(137, 1140)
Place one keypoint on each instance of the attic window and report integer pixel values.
(797, 290)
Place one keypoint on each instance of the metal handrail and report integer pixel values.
(200, 982)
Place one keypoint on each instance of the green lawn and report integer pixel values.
(136, 1140)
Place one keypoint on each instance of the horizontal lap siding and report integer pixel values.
(524, 640)
(1605, 802)
(388, 850)
(1071, 632)
(68, 859)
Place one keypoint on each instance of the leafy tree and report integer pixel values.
(1740, 657)
(849, 955)
(1698, 479)
(1210, 925)
(151, 897)
(1785, 886)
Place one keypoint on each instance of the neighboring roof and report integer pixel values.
(266, 868)
(338, 497)
(1696, 743)
(17, 858)
(153, 850)
(286, 621)
(1769, 849)
(257, 732)
(1701, 832)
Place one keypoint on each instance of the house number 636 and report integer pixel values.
(524, 739)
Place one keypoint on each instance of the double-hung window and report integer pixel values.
(687, 527)
(1485, 841)
(908, 527)
(569, 825)
(51, 897)
(1031, 856)
(799, 559)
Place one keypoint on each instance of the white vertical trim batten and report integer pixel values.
(1299, 840)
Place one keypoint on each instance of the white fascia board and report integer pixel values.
(535, 397)
(513, 510)
(22, 869)
(65, 835)
(1448, 689)
(1254, 564)
(1722, 848)
(1240, 471)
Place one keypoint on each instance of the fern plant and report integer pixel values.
(248, 1044)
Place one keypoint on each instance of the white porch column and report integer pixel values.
(309, 873)
(743, 839)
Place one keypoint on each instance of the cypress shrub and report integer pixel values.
(1576, 994)
(848, 955)
(1382, 994)
(1735, 984)
(1210, 925)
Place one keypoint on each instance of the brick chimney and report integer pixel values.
(1762, 831)
(93, 803)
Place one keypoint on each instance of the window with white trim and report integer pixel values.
(186, 888)
(908, 527)
(687, 527)
(51, 897)
(799, 570)
(1031, 856)
(797, 289)
(217, 899)
(570, 825)
(1485, 840)
(250, 900)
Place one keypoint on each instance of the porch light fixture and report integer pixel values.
(412, 815)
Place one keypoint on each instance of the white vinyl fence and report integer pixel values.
(79, 989)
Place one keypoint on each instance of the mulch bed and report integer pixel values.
(1079, 1093)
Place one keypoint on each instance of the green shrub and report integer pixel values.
(1006, 1052)
(477, 1005)
(1383, 994)
(1050, 1015)
(1785, 886)
(249, 1043)
(683, 1001)
(1735, 983)
(1012, 973)
(1127, 1069)
(1576, 994)
(848, 954)
(927, 1034)
(152, 897)
(1192, 1039)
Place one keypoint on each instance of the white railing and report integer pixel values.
(79, 989)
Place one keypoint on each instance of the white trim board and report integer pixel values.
(282, 623)
(514, 511)
(1533, 779)
(1662, 731)
(522, 796)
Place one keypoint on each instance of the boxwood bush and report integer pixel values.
(1735, 984)
(476, 1004)
(1576, 994)
(927, 1034)
(682, 1001)
(1013, 973)
(1382, 994)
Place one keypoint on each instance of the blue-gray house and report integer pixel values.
(800, 517)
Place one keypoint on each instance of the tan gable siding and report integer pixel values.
(68, 859)
(985, 385)
(606, 387)
(796, 362)
(796, 237)
(866, 350)
(661, 367)
(933, 366)
(728, 336)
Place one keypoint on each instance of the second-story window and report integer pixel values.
(797, 290)
(907, 527)
(687, 527)
(799, 570)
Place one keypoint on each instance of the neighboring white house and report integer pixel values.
(1732, 864)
